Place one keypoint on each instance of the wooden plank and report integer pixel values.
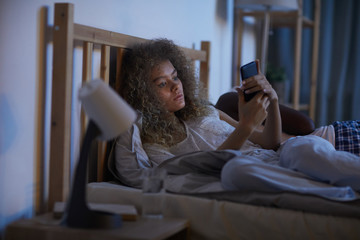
(282, 18)
(86, 76)
(315, 58)
(88, 48)
(101, 160)
(104, 37)
(45, 227)
(119, 58)
(237, 44)
(290, 23)
(265, 42)
(104, 74)
(59, 169)
(105, 63)
(87, 61)
(205, 65)
(39, 201)
(195, 54)
(303, 107)
(297, 59)
(114, 39)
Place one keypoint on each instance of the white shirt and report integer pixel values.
(202, 134)
(209, 132)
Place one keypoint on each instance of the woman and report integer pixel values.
(159, 82)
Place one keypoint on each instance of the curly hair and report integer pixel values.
(157, 125)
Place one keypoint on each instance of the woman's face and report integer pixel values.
(168, 86)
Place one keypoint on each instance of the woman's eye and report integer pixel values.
(176, 78)
(162, 84)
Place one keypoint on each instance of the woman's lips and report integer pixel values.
(179, 97)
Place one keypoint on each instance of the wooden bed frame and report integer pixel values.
(66, 35)
(225, 218)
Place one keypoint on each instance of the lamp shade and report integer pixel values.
(106, 108)
(271, 5)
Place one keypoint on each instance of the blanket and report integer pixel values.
(198, 174)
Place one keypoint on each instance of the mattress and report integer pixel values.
(221, 219)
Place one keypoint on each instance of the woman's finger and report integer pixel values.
(241, 96)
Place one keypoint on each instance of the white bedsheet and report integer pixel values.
(213, 219)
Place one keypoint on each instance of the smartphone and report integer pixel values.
(246, 71)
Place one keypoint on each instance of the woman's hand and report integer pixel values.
(259, 83)
(251, 115)
(254, 112)
(264, 105)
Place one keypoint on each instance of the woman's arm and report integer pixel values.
(293, 122)
(252, 114)
(270, 137)
(265, 102)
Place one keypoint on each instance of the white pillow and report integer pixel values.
(128, 159)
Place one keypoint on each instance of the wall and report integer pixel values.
(186, 22)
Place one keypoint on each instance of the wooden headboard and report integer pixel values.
(66, 35)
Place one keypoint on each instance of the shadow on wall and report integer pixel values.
(8, 127)
(221, 9)
(8, 132)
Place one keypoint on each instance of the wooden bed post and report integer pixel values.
(297, 57)
(43, 36)
(104, 74)
(205, 66)
(86, 76)
(237, 45)
(119, 57)
(315, 59)
(59, 172)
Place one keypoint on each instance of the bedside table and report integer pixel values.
(45, 227)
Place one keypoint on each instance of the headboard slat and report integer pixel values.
(119, 57)
(105, 63)
(104, 74)
(87, 61)
(59, 166)
(86, 75)
(205, 65)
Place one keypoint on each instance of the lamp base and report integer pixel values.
(78, 214)
(87, 218)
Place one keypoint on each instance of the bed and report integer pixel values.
(248, 215)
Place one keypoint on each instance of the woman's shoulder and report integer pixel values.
(210, 123)
(211, 112)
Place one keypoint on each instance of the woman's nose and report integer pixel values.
(175, 85)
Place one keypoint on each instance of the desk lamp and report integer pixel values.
(109, 116)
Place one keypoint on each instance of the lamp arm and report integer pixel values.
(77, 213)
(77, 199)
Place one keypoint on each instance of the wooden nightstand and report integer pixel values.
(46, 228)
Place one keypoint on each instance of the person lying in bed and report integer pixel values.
(160, 83)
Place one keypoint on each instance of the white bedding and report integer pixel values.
(216, 214)
(214, 219)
